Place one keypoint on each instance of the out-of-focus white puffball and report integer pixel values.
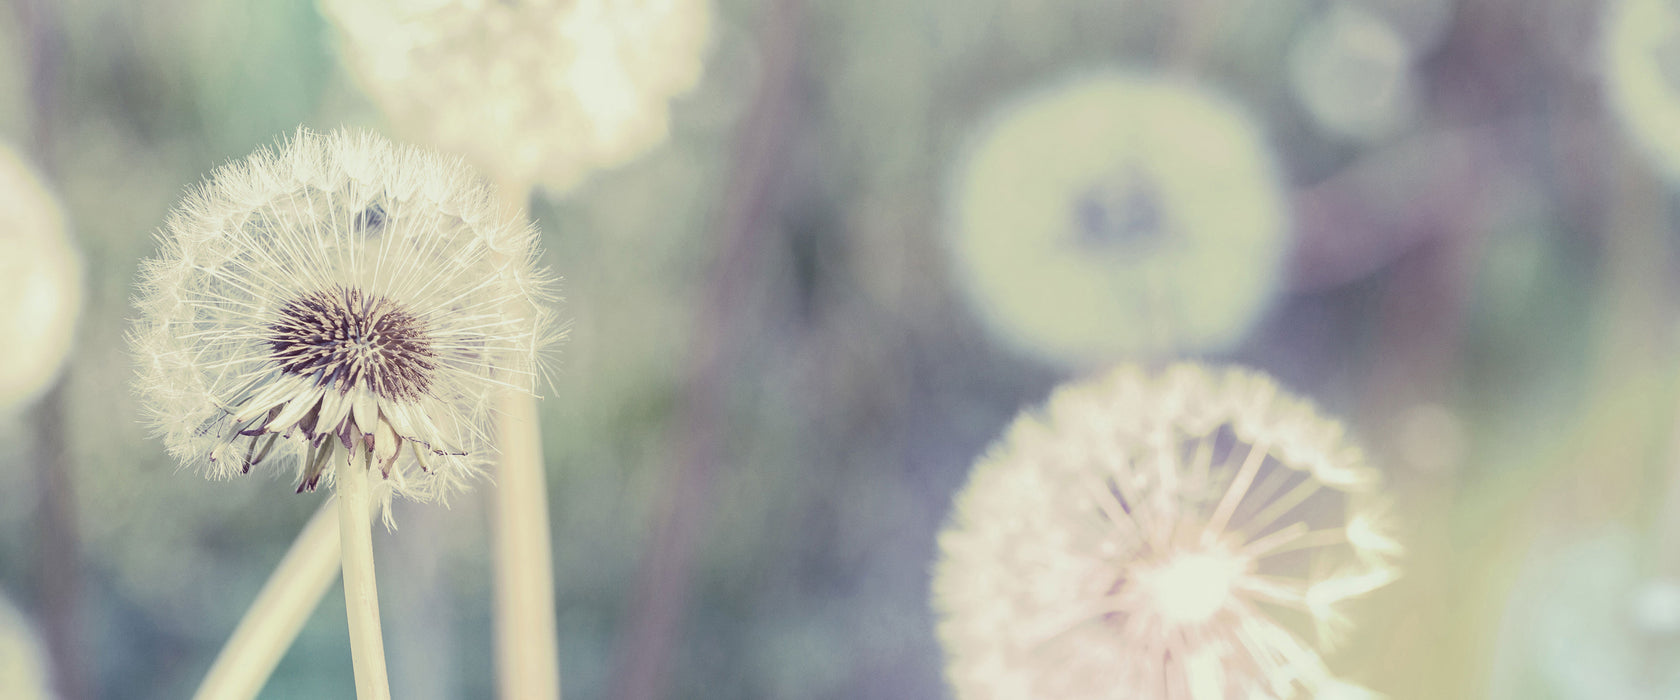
(540, 92)
(1353, 73)
(23, 665)
(1114, 215)
(1641, 44)
(40, 284)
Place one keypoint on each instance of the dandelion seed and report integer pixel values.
(540, 92)
(1115, 215)
(40, 285)
(340, 296)
(1191, 535)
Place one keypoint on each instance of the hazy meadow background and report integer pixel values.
(774, 356)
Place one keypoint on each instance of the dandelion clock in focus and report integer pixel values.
(1116, 215)
(540, 92)
(1194, 534)
(340, 295)
(40, 285)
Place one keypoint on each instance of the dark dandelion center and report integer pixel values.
(353, 339)
(1123, 212)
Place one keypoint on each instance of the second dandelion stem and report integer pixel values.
(527, 643)
(361, 594)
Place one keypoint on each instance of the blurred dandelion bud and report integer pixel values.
(1641, 45)
(542, 91)
(342, 295)
(1353, 72)
(1115, 215)
(1192, 534)
(23, 665)
(40, 284)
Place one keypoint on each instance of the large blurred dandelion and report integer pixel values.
(40, 284)
(1117, 214)
(1641, 44)
(1187, 535)
(23, 663)
(534, 92)
(340, 296)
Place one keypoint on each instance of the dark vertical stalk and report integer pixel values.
(656, 605)
(56, 559)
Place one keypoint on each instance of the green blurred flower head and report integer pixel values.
(1187, 535)
(40, 284)
(1115, 215)
(1641, 44)
(23, 666)
(1352, 71)
(540, 92)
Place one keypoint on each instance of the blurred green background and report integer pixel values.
(1480, 280)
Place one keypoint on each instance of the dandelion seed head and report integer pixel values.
(1641, 72)
(1191, 534)
(540, 91)
(338, 296)
(1352, 71)
(1114, 215)
(23, 665)
(40, 284)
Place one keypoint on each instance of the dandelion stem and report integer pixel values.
(271, 624)
(527, 655)
(361, 593)
(527, 647)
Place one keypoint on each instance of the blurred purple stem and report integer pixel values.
(57, 552)
(656, 606)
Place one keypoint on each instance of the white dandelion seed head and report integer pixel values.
(40, 284)
(340, 296)
(1188, 535)
(1641, 66)
(23, 663)
(1117, 215)
(539, 91)
(1352, 70)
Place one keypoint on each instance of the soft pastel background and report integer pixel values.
(772, 361)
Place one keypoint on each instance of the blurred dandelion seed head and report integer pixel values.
(1353, 72)
(1189, 534)
(1641, 44)
(23, 665)
(1115, 215)
(40, 284)
(339, 294)
(1585, 620)
(542, 91)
